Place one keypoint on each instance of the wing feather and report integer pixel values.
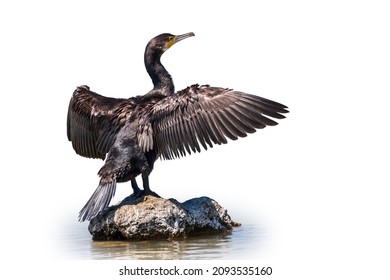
(200, 116)
(185, 146)
(219, 138)
(90, 125)
(218, 118)
(202, 131)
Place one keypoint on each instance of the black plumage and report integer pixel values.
(130, 134)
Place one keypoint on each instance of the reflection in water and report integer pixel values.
(242, 243)
(193, 248)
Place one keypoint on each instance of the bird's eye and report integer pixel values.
(170, 38)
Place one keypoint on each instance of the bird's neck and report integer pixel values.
(161, 79)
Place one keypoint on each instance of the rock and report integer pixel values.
(149, 217)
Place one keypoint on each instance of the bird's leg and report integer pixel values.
(136, 189)
(146, 190)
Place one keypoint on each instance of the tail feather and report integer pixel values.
(99, 200)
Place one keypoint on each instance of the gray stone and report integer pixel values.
(149, 217)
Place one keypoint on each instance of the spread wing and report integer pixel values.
(90, 125)
(203, 116)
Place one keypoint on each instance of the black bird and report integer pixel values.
(130, 134)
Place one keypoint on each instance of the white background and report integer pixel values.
(318, 181)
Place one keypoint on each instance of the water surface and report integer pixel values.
(245, 242)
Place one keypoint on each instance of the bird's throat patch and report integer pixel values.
(171, 41)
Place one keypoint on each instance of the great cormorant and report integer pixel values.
(130, 134)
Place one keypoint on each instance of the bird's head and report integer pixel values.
(164, 41)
